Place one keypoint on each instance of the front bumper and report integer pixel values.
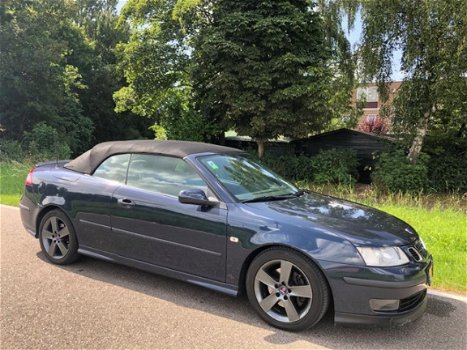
(388, 320)
(353, 288)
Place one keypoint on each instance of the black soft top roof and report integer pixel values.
(88, 161)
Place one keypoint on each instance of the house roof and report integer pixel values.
(88, 161)
(348, 131)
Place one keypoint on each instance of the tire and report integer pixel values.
(57, 238)
(287, 289)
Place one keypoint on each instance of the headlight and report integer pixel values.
(383, 256)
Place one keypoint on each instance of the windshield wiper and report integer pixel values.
(273, 198)
(299, 193)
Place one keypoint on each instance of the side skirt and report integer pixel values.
(183, 276)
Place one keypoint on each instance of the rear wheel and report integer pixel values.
(58, 239)
(286, 289)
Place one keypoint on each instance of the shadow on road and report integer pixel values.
(442, 327)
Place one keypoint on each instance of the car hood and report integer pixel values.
(361, 225)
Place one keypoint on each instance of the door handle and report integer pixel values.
(125, 202)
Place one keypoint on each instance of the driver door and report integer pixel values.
(153, 226)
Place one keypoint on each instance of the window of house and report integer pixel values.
(113, 168)
(370, 95)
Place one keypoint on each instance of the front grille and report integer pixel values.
(412, 301)
(415, 254)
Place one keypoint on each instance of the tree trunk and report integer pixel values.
(260, 143)
(417, 142)
(221, 138)
(460, 133)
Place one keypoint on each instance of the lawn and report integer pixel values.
(440, 220)
(444, 232)
(12, 176)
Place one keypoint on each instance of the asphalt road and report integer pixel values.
(94, 304)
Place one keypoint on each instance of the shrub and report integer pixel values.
(291, 167)
(448, 173)
(11, 150)
(394, 172)
(376, 126)
(328, 167)
(335, 166)
(45, 143)
(447, 167)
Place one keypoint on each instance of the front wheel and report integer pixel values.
(286, 289)
(58, 238)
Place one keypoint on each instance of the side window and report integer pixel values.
(163, 174)
(113, 168)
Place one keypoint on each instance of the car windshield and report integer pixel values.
(247, 180)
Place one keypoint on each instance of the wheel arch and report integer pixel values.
(249, 259)
(44, 211)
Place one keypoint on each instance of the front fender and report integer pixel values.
(259, 232)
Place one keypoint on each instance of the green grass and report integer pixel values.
(444, 232)
(440, 220)
(12, 176)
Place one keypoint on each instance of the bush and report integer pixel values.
(335, 166)
(296, 168)
(447, 167)
(394, 172)
(328, 167)
(448, 173)
(44, 143)
(11, 150)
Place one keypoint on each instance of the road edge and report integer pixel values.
(443, 294)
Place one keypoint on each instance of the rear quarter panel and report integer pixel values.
(83, 198)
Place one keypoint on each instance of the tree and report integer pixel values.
(261, 67)
(98, 20)
(342, 62)
(58, 66)
(432, 35)
(38, 81)
(156, 62)
(201, 67)
(31, 65)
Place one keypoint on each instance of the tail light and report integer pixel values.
(28, 181)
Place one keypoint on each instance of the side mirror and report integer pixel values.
(195, 196)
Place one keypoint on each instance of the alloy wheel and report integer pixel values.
(283, 291)
(55, 237)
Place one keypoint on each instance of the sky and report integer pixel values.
(354, 38)
(120, 4)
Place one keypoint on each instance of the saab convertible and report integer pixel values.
(211, 216)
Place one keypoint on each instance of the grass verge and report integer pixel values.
(444, 232)
(12, 176)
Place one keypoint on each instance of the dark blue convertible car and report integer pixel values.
(211, 216)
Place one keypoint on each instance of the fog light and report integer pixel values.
(384, 304)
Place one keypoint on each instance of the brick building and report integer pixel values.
(371, 120)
